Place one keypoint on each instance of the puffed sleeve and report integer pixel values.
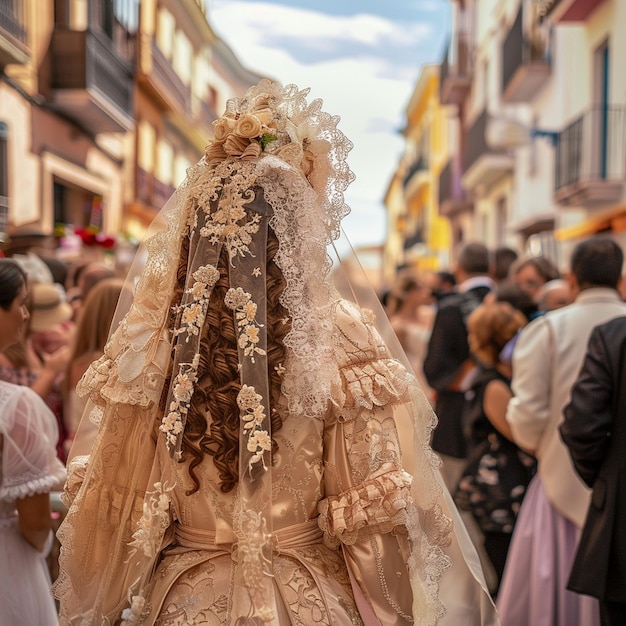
(29, 461)
(367, 490)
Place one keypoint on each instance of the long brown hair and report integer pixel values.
(92, 330)
(216, 390)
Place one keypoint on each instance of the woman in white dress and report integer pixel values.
(29, 470)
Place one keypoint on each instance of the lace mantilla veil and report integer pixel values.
(277, 165)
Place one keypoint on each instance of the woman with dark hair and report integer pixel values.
(29, 470)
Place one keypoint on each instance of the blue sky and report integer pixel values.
(361, 57)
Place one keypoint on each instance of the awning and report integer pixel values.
(613, 219)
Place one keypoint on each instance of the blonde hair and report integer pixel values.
(490, 327)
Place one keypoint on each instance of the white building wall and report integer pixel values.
(24, 177)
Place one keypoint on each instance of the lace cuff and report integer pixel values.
(125, 379)
(31, 484)
(379, 504)
(376, 383)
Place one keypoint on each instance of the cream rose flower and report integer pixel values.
(264, 116)
(248, 126)
(223, 127)
(235, 145)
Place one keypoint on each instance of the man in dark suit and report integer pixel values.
(594, 430)
(448, 359)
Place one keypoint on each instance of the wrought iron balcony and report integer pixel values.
(455, 75)
(590, 159)
(91, 82)
(483, 165)
(419, 165)
(13, 34)
(160, 78)
(149, 190)
(525, 62)
(452, 197)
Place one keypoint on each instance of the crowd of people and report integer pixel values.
(502, 358)
(240, 442)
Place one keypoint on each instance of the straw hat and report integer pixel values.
(48, 308)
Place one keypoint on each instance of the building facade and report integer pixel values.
(418, 235)
(104, 104)
(536, 125)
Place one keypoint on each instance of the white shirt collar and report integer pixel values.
(476, 281)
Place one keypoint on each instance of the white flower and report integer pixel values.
(248, 398)
(236, 298)
(183, 388)
(261, 440)
(192, 314)
(207, 274)
(250, 308)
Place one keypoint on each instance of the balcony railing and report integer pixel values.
(13, 33)
(590, 159)
(150, 190)
(455, 73)
(419, 165)
(175, 95)
(452, 197)
(98, 82)
(525, 62)
(483, 165)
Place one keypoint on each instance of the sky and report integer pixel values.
(362, 57)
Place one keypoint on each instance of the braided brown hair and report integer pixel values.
(215, 394)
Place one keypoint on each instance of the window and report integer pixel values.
(165, 162)
(146, 145)
(183, 57)
(166, 28)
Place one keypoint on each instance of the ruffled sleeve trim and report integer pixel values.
(29, 485)
(377, 505)
(378, 382)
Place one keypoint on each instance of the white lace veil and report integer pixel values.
(277, 168)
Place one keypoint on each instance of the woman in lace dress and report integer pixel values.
(29, 469)
(262, 455)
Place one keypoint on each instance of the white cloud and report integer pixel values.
(368, 91)
(268, 22)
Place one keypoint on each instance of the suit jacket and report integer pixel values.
(595, 432)
(546, 362)
(448, 351)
